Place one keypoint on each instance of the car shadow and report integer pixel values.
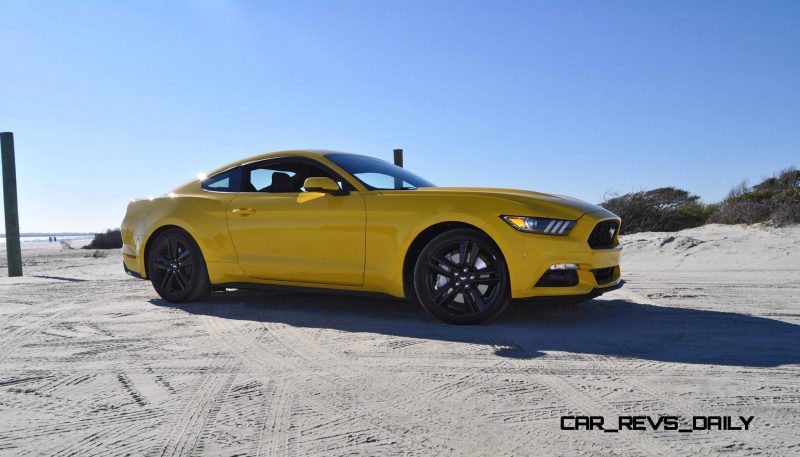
(604, 327)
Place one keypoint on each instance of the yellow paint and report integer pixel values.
(359, 241)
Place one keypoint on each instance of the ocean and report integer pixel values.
(43, 238)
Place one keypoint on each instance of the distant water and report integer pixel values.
(43, 239)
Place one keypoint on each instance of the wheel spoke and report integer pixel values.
(469, 299)
(487, 280)
(185, 255)
(463, 247)
(165, 280)
(477, 298)
(439, 269)
(162, 262)
(184, 277)
(180, 281)
(172, 248)
(445, 295)
(489, 270)
(437, 293)
(442, 260)
(473, 254)
(487, 275)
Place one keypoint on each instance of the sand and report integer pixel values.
(92, 362)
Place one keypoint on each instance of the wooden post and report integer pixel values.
(13, 251)
(398, 157)
(398, 160)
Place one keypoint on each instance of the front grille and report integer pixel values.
(604, 234)
(603, 275)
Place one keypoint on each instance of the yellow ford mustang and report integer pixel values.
(332, 220)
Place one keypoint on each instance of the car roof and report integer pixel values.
(310, 153)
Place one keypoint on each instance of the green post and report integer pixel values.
(13, 251)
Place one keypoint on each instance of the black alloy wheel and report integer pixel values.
(461, 278)
(176, 267)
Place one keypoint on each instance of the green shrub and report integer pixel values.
(775, 199)
(111, 239)
(666, 209)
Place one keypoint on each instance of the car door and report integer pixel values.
(283, 233)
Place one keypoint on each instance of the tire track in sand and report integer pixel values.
(277, 423)
(186, 432)
(348, 406)
(589, 405)
(11, 341)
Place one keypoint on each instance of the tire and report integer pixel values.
(461, 278)
(177, 268)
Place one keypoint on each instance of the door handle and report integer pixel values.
(243, 211)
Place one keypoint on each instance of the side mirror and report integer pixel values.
(324, 185)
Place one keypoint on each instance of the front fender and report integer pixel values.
(396, 218)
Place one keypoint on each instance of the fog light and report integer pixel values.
(565, 266)
(558, 278)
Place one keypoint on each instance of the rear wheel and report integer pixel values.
(460, 277)
(177, 268)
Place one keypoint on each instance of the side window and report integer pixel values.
(283, 176)
(272, 178)
(227, 181)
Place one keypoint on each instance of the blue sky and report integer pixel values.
(115, 100)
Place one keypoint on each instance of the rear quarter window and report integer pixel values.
(227, 181)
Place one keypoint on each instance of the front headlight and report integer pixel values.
(542, 225)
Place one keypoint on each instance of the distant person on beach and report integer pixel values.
(50, 239)
(55, 239)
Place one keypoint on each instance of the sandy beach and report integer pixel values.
(92, 362)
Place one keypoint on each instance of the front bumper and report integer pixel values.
(570, 299)
(131, 272)
(529, 257)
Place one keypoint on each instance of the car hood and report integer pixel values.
(536, 200)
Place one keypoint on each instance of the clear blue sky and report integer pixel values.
(115, 100)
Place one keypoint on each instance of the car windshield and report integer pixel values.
(378, 174)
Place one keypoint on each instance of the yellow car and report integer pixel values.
(331, 220)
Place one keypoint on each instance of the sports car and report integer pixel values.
(333, 220)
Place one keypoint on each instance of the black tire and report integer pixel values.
(460, 277)
(177, 268)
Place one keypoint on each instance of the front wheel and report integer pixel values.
(177, 268)
(460, 277)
